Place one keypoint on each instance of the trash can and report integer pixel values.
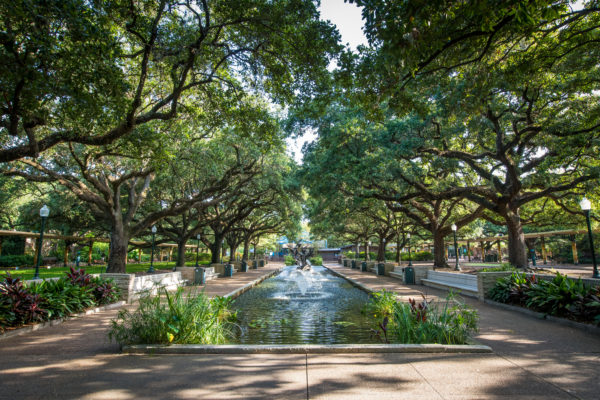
(244, 266)
(254, 264)
(363, 266)
(261, 263)
(381, 269)
(199, 278)
(353, 264)
(409, 276)
(228, 270)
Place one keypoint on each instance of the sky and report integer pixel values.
(348, 19)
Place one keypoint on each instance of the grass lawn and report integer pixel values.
(472, 264)
(53, 272)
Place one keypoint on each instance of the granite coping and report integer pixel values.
(303, 348)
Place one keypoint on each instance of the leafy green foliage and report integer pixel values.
(289, 260)
(451, 322)
(316, 260)
(175, 318)
(18, 305)
(560, 296)
(50, 299)
(16, 261)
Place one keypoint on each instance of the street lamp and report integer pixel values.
(151, 269)
(197, 247)
(409, 257)
(586, 206)
(44, 212)
(454, 229)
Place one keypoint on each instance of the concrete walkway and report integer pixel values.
(533, 359)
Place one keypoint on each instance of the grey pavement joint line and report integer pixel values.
(537, 376)
(425, 379)
(306, 368)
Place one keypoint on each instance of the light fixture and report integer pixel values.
(44, 212)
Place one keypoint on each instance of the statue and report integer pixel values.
(301, 253)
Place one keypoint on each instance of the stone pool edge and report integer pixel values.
(175, 349)
(303, 349)
(239, 291)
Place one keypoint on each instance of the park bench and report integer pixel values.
(466, 284)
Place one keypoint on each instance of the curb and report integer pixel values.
(32, 328)
(352, 281)
(304, 349)
(237, 292)
(538, 315)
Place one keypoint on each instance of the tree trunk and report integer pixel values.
(215, 249)
(246, 249)
(398, 248)
(517, 248)
(381, 250)
(119, 240)
(232, 249)
(439, 251)
(181, 253)
(367, 258)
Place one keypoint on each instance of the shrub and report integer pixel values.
(372, 255)
(416, 323)
(75, 292)
(18, 305)
(289, 260)
(381, 304)
(16, 261)
(61, 298)
(316, 260)
(349, 254)
(193, 319)
(390, 255)
(418, 256)
(560, 296)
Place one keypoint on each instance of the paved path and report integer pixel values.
(532, 359)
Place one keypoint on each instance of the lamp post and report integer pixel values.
(197, 247)
(151, 269)
(409, 257)
(454, 229)
(367, 255)
(586, 206)
(44, 212)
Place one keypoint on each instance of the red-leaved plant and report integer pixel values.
(22, 306)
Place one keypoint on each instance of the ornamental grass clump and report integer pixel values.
(175, 318)
(450, 322)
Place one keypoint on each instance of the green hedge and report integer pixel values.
(16, 261)
(418, 256)
(316, 260)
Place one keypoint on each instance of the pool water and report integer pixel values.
(303, 307)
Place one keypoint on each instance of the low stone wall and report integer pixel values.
(124, 282)
(487, 280)
(421, 272)
(389, 267)
(187, 273)
(132, 286)
(219, 269)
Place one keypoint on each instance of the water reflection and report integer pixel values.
(297, 306)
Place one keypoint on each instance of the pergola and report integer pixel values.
(534, 235)
(87, 240)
